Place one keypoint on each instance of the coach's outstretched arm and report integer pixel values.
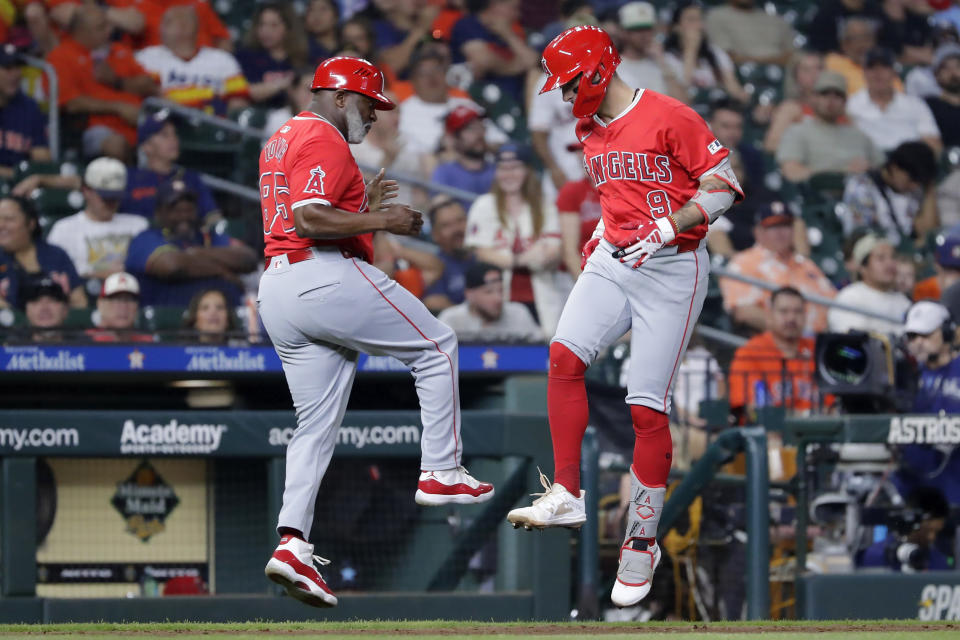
(326, 222)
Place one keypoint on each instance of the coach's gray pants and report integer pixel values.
(319, 314)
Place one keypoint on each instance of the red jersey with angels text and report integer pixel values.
(308, 161)
(647, 162)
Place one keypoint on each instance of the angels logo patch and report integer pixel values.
(315, 183)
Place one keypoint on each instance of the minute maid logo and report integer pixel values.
(924, 430)
(145, 500)
(939, 602)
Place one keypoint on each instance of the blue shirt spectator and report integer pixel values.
(26, 258)
(261, 67)
(469, 170)
(448, 229)
(175, 259)
(273, 49)
(23, 127)
(505, 57)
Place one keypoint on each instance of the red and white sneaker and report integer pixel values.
(292, 566)
(451, 486)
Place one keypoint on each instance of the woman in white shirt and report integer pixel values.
(513, 228)
(697, 63)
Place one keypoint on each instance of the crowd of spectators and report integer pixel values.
(841, 115)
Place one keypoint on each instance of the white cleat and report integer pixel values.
(635, 574)
(556, 507)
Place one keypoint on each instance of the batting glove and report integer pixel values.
(587, 251)
(650, 237)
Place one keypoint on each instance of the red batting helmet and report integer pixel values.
(581, 50)
(352, 74)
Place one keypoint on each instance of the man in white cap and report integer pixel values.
(96, 238)
(117, 310)
(876, 268)
(642, 63)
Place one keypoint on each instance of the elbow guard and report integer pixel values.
(714, 202)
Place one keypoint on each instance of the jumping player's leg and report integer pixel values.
(596, 314)
(393, 322)
(667, 296)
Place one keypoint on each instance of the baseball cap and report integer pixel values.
(879, 57)
(478, 274)
(512, 151)
(865, 246)
(44, 287)
(106, 176)
(152, 124)
(9, 57)
(944, 53)
(925, 317)
(947, 253)
(174, 191)
(121, 282)
(830, 81)
(460, 117)
(637, 15)
(773, 213)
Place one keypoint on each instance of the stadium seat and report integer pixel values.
(163, 318)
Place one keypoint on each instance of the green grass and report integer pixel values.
(785, 630)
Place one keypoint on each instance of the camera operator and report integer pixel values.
(910, 544)
(930, 336)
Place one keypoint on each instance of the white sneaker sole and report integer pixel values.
(626, 596)
(286, 577)
(439, 499)
(518, 519)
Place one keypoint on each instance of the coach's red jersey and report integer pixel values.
(309, 161)
(647, 161)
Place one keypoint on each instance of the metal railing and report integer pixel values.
(53, 107)
(723, 272)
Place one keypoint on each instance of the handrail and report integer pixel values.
(811, 297)
(724, 337)
(197, 115)
(53, 107)
(221, 184)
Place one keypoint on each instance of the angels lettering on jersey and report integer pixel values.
(625, 165)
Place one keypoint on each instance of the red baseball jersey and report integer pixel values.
(309, 161)
(647, 162)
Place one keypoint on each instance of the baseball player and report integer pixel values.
(662, 178)
(322, 302)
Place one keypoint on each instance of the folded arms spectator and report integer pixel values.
(175, 259)
(101, 81)
(26, 257)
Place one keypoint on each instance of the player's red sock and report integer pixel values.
(653, 447)
(568, 413)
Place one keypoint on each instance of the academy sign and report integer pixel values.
(172, 437)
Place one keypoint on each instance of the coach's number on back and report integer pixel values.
(659, 203)
(273, 210)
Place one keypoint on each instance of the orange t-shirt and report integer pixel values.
(788, 381)
(75, 65)
(210, 29)
(928, 289)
